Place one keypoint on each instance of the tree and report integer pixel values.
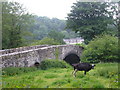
(46, 41)
(90, 18)
(15, 22)
(58, 36)
(43, 25)
(103, 48)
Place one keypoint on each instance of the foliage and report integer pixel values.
(91, 18)
(107, 71)
(44, 26)
(81, 44)
(62, 78)
(46, 64)
(69, 34)
(103, 48)
(15, 22)
(56, 53)
(11, 71)
(46, 41)
(20, 28)
(58, 36)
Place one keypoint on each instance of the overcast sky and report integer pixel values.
(49, 8)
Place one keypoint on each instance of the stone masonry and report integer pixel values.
(28, 56)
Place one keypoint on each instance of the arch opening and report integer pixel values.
(36, 64)
(72, 58)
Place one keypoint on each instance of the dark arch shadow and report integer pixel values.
(36, 64)
(72, 58)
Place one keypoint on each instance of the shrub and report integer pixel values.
(81, 44)
(47, 41)
(46, 64)
(103, 48)
(11, 71)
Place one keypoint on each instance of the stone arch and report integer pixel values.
(36, 64)
(72, 58)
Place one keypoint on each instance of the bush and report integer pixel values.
(47, 41)
(46, 64)
(11, 71)
(103, 48)
(81, 44)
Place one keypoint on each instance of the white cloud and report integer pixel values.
(49, 8)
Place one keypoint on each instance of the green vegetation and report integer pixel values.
(103, 48)
(58, 36)
(15, 25)
(47, 64)
(44, 26)
(81, 44)
(87, 19)
(105, 75)
(54, 38)
(19, 28)
(56, 53)
(46, 41)
(90, 19)
(44, 65)
(11, 71)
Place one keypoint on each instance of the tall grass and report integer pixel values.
(107, 70)
(44, 65)
(105, 75)
(11, 71)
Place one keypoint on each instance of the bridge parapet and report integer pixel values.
(7, 51)
(28, 57)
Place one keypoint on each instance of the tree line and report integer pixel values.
(98, 23)
(20, 28)
(90, 19)
(15, 24)
(86, 20)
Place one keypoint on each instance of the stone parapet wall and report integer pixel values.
(7, 51)
(28, 57)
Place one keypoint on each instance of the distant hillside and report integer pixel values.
(43, 25)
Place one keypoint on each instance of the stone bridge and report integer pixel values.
(29, 56)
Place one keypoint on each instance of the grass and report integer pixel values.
(105, 75)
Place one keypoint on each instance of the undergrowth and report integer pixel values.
(104, 75)
(11, 71)
(50, 63)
